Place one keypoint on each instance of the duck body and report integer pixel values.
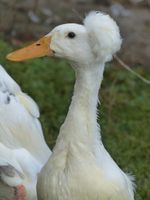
(21, 138)
(80, 168)
(85, 180)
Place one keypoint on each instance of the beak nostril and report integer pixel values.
(38, 49)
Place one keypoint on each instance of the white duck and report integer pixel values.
(21, 139)
(80, 168)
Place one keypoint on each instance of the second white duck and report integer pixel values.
(21, 138)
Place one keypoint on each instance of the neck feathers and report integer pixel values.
(81, 121)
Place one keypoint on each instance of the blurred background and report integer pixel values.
(125, 100)
(26, 19)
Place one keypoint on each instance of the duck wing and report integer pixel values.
(19, 124)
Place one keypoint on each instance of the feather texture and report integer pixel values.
(21, 137)
(80, 168)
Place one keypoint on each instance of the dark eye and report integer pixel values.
(71, 35)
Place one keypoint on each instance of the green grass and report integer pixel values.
(124, 111)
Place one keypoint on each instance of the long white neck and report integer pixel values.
(81, 125)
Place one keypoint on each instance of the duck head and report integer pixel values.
(94, 41)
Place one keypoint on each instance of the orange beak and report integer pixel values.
(38, 49)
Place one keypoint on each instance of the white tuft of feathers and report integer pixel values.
(104, 35)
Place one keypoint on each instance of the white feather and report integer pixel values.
(21, 137)
(80, 168)
(104, 35)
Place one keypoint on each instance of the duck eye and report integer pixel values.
(71, 35)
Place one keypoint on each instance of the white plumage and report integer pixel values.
(104, 35)
(21, 137)
(80, 168)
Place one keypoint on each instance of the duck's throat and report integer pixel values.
(81, 121)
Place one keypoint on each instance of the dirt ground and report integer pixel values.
(25, 20)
